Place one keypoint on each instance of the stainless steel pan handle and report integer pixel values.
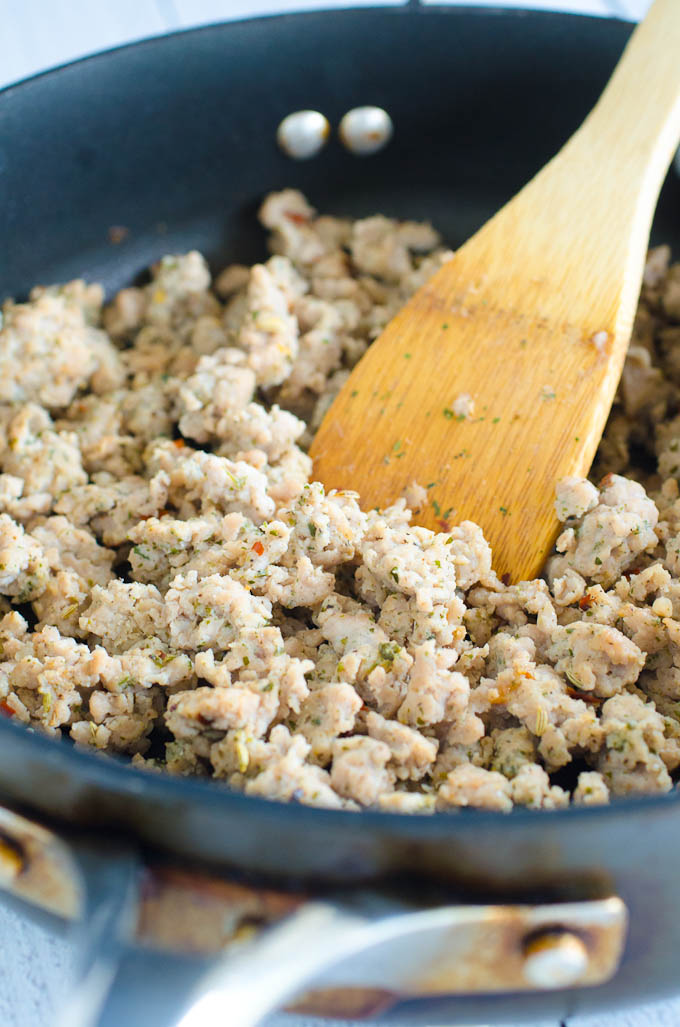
(385, 945)
(273, 969)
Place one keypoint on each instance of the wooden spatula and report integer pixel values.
(531, 319)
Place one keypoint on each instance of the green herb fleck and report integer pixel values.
(388, 651)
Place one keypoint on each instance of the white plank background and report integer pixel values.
(38, 34)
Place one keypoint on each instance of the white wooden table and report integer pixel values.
(38, 34)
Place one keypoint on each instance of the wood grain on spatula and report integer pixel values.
(531, 318)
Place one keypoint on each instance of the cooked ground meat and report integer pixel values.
(173, 586)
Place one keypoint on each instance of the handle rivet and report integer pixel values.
(365, 130)
(554, 959)
(302, 134)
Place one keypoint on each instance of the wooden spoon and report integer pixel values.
(531, 319)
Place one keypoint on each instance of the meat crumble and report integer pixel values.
(175, 588)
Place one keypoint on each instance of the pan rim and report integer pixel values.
(116, 775)
(404, 8)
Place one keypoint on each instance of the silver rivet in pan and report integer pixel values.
(555, 959)
(302, 134)
(365, 130)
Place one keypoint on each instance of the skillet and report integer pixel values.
(174, 138)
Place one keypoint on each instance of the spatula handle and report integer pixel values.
(588, 212)
(633, 129)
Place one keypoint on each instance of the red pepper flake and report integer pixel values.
(297, 219)
(587, 697)
(586, 601)
(258, 548)
(444, 525)
(505, 578)
(6, 709)
(180, 443)
(606, 481)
